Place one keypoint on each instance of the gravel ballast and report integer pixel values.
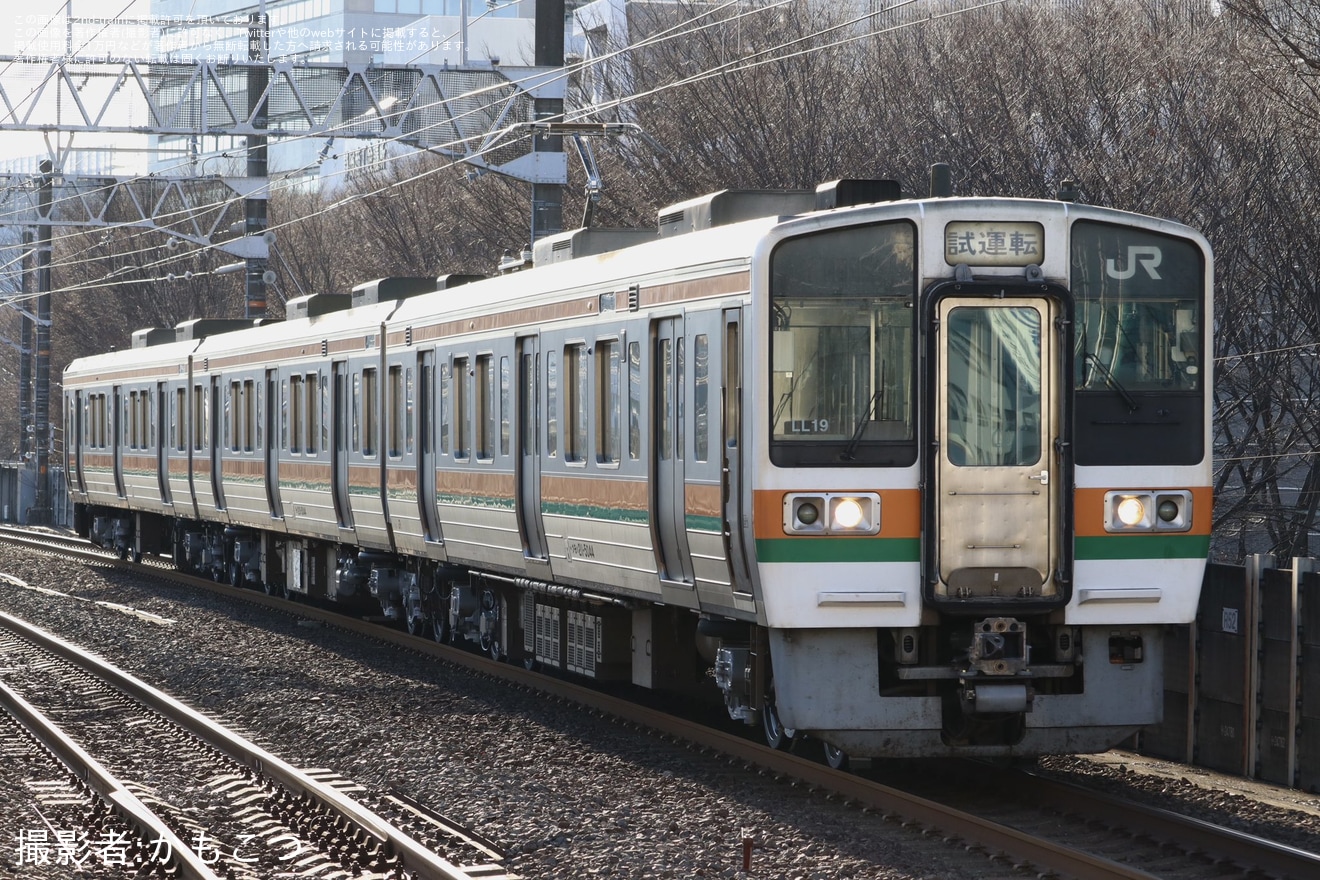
(563, 793)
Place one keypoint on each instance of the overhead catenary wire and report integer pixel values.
(682, 30)
(672, 33)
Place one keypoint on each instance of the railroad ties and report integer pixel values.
(136, 779)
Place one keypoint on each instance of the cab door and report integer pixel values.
(999, 506)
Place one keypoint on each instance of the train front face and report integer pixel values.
(983, 474)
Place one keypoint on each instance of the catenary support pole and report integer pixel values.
(548, 198)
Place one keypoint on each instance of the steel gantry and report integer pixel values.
(476, 116)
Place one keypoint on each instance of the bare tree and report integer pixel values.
(1164, 108)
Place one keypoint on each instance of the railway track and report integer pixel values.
(202, 801)
(1043, 827)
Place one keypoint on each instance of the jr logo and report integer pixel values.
(1148, 257)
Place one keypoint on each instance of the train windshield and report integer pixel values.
(1138, 359)
(841, 353)
(1138, 298)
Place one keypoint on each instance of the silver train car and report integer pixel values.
(913, 477)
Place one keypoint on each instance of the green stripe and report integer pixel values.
(838, 549)
(704, 523)
(591, 511)
(482, 502)
(1142, 547)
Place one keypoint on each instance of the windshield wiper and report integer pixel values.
(848, 454)
(1113, 383)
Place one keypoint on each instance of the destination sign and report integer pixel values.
(994, 243)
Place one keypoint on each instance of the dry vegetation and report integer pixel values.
(1157, 107)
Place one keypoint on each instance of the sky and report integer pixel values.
(37, 28)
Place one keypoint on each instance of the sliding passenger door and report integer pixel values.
(339, 445)
(162, 442)
(275, 404)
(217, 439)
(117, 422)
(668, 418)
(426, 411)
(528, 453)
(79, 442)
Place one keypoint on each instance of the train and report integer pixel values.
(912, 476)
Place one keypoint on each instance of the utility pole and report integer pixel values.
(548, 198)
(25, 342)
(41, 365)
(255, 217)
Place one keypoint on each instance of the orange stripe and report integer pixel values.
(622, 494)
(474, 484)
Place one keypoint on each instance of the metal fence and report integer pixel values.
(1242, 685)
(18, 495)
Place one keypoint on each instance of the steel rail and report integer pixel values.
(1016, 846)
(414, 857)
(1238, 847)
(152, 828)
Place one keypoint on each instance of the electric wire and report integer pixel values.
(669, 34)
(271, 186)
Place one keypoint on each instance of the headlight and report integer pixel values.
(847, 513)
(829, 513)
(1131, 511)
(1148, 511)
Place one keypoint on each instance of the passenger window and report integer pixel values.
(292, 414)
(355, 429)
(313, 413)
(446, 402)
(504, 406)
(680, 393)
(394, 410)
(607, 402)
(575, 403)
(180, 420)
(408, 409)
(634, 400)
(484, 413)
(462, 419)
(552, 405)
(250, 417)
(700, 394)
(370, 428)
(232, 426)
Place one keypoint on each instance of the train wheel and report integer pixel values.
(137, 556)
(491, 646)
(416, 625)
(835, 757)
(235, 575)
(440, 629)
(777, 736)
(274, 589)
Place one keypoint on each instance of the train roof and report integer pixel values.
(712, 234)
